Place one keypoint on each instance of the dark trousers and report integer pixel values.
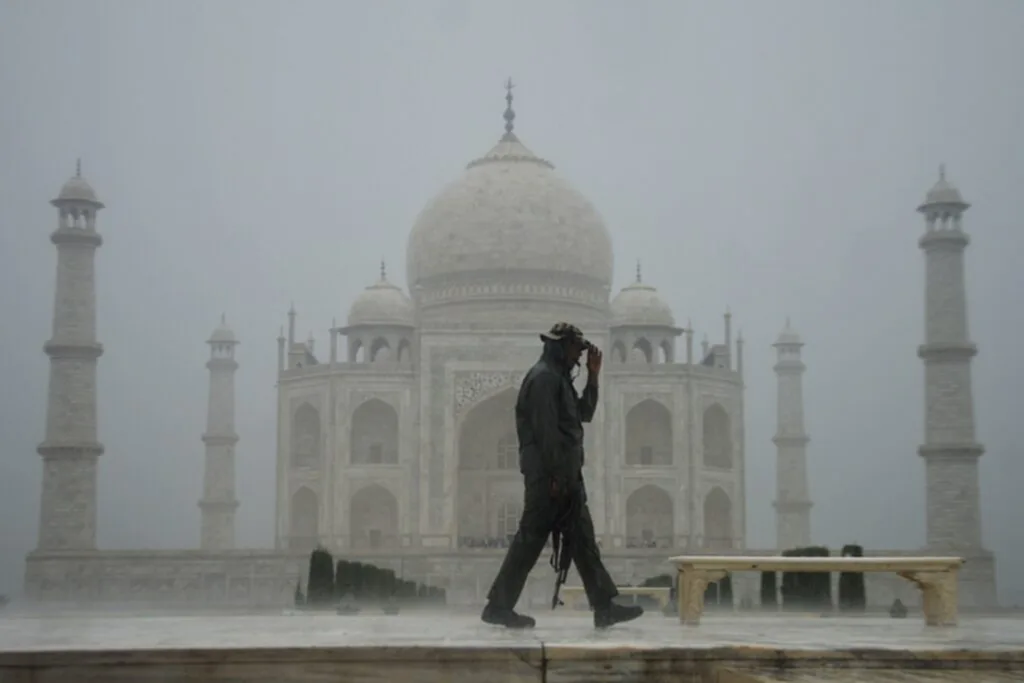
(540, 512)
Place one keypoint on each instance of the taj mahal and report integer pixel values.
(396, 445)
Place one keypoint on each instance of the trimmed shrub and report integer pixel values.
(300, 599)
(852, 594)
(769, 593)
(807, 590)
(320, 586)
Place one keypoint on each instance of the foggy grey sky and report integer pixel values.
(762, 156)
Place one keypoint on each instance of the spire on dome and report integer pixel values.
(78, 167)
(639, 276)
(510, 114)
(942, 171)
(383, 271)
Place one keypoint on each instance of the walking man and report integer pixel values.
(549, 424)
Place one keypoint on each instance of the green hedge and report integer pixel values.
(367, 582)
(320, 586)
(807, 590)
(769, 591)
(852, 595)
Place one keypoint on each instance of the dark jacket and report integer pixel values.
(549, 422)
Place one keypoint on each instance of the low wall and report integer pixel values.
(267, 578)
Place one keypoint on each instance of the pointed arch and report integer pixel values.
(380, 350)
(650, 521)
(404, 351)
(649, 435)
(666, 351)
(618, 352)
(373, 518)
(374, 438)
(306, 446)
(717, 440)
(304, 520)
(488, 467)
(718, 519)
(642, 351)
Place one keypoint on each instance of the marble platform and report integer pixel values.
(446, 648)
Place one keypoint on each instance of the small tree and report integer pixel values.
(807, 590)
(320, 586)
(852, 594)
(769, 594)
(300, 599)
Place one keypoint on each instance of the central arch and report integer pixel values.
(373, 518)
(488, 469)
(374, 434)
(649, 435)
(649, 518)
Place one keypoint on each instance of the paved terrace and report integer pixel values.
(446, 648)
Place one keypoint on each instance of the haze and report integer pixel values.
(767, 157)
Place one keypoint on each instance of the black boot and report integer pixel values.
(616, 614)
(506, 617)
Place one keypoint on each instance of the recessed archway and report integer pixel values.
(649, 435)
(306, 439)
(649, 518)
(717, 440)
(374, 438)
(718, 520)
(373, 518)
(488, 470)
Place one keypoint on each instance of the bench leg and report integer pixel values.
(938, 596)
(692, 584)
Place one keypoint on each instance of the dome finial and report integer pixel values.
(78, 167)
(639, 275)
(223, 319)
(942, 171)
(510, 115)
(383, 271)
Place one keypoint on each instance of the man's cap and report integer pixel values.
(560, 331)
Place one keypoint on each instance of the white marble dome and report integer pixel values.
(943, 191)
(78, 189)
(509, 213)
(223, 334)
(382, 303)
(788, 336)
(640, 304)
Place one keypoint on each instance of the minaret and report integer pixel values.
(950, 451)
(792, 498)
(218, 504)
(67, 519)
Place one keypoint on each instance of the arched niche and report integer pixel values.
(650, 521)
(718, 520)
(306, 442)
(373, 518)
(649, 435)
(717, 440)
(487, 467)
(374, 437)
(642, 352)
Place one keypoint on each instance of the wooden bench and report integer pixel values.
(575, 595)
(935, 576)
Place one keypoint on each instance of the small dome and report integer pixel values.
(788, 335)
(78, 189)
(223, 334)
(382, 303)
(640, 304)
(943, 191)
